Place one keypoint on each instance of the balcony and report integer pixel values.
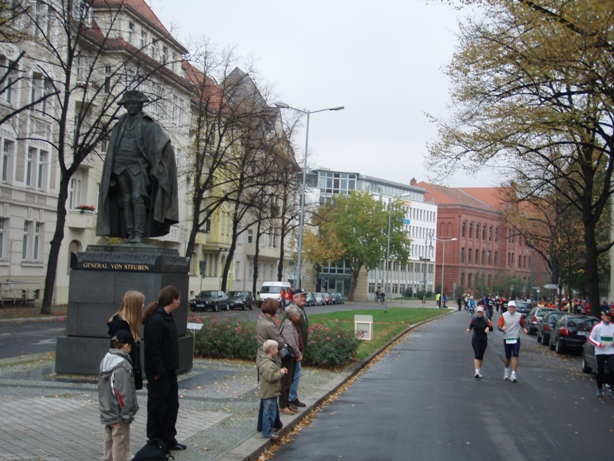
(80, 219)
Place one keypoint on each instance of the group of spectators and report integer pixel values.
(121, 373)
(279, 376)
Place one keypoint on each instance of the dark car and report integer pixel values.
(336, 298)
(242, 299)
(311, 300)
(328, 298)
(571, 331)
(589, 364)
(534, 318)
(523, 308)
(547, 325)
(210, 299)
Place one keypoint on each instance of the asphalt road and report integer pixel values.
(421, 402)
(25, 338)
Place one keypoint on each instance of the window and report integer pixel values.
(8, 149)
(29, 163)
(9, 86)
(2, 238)
(164, 56)
(41, 176)
(74, 194)
(107, 79)
(26, 235)
(462, 258)
(143, 38)
(469, 256)
(490, 234)
(464, 228)
(483, 232)
(81, 11)
(42, 21)
(477, 232)
(496, 258)
(477, 255)
(496, 234)
(470, 230)
(41, 86)
(131, 33)
(36, 243)
(483, 257)
(250, 236)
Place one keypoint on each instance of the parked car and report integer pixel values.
(319, 299)
(534, 318)
(571, 331)
(211, 299)
(328, 298)
(547, 325)
(341, 298)
(589, 364)
(242, 299)
(272, 290)
(311, 299)
(336, 298)
(523, 307)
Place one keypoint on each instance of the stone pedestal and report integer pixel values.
(99, 278)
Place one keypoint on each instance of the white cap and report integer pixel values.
(511, 304)
(480, 309)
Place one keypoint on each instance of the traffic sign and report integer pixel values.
(551, 286)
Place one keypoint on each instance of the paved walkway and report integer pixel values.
(47, 418)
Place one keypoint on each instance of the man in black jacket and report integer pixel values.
(161, 364)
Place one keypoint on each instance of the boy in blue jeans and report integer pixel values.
(270, 386)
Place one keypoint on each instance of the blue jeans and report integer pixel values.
(269, 411)
(294, 385)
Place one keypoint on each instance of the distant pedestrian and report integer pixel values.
(602, 337)
(128, 318)
(472, 305)
(117, 397)
(270, 375)
(438, 300)
(161, 364)
(480, 326)
(511, 323)
(459, 302)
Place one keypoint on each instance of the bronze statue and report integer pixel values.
(138, 190)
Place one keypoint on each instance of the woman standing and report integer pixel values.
(480, 326)
(266, 329)
(128, 318)
(292, 337)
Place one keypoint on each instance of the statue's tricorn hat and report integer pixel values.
(132, 96)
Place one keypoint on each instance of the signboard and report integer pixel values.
(406, 221)
(363, 327)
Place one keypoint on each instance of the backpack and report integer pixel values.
(154, 450)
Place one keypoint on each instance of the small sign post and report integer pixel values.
(363, 327)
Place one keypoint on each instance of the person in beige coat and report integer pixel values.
(266, 328)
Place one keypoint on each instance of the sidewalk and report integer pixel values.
(46, 418)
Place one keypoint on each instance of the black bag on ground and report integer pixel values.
(154, 450)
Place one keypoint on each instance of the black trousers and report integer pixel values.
(286, 382)
(162, 407)
(601, 360)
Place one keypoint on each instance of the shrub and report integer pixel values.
(226, 339)
(330, 347)
(236, 339)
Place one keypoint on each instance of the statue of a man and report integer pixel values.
(138, 190)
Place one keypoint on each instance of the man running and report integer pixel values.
(510, 323)
(601, 337)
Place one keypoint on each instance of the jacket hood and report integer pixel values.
(113, 360)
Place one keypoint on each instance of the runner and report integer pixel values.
(601, 337)
(510, 323)
(480, 326)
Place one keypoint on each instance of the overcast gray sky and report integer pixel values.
(382, 60)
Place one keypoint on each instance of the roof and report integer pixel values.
(485, 198)
(209, 91)
(140, 9)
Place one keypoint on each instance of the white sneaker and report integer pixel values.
(608, 389)
(513, 377)
(479, 373)
(506, 376)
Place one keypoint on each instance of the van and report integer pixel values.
(272, 290)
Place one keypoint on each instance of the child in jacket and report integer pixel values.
(117, 397)
(270, 384)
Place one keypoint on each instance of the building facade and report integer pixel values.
(403, 278)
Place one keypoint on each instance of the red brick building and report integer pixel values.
(486, 253)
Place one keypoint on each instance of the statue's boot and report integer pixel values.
(129, 221)
(140, 216)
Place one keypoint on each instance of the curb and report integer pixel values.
(256, 445)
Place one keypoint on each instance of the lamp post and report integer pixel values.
(283, 105)
(443, 265)
(387, 282)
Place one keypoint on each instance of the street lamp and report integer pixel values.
(387, 281)
(283, 105)
(443, 265)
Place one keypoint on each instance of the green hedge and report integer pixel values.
(328, 347)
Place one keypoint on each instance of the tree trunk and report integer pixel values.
(230, 256)
(592, 268)
(354, 283)
(56, 244)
